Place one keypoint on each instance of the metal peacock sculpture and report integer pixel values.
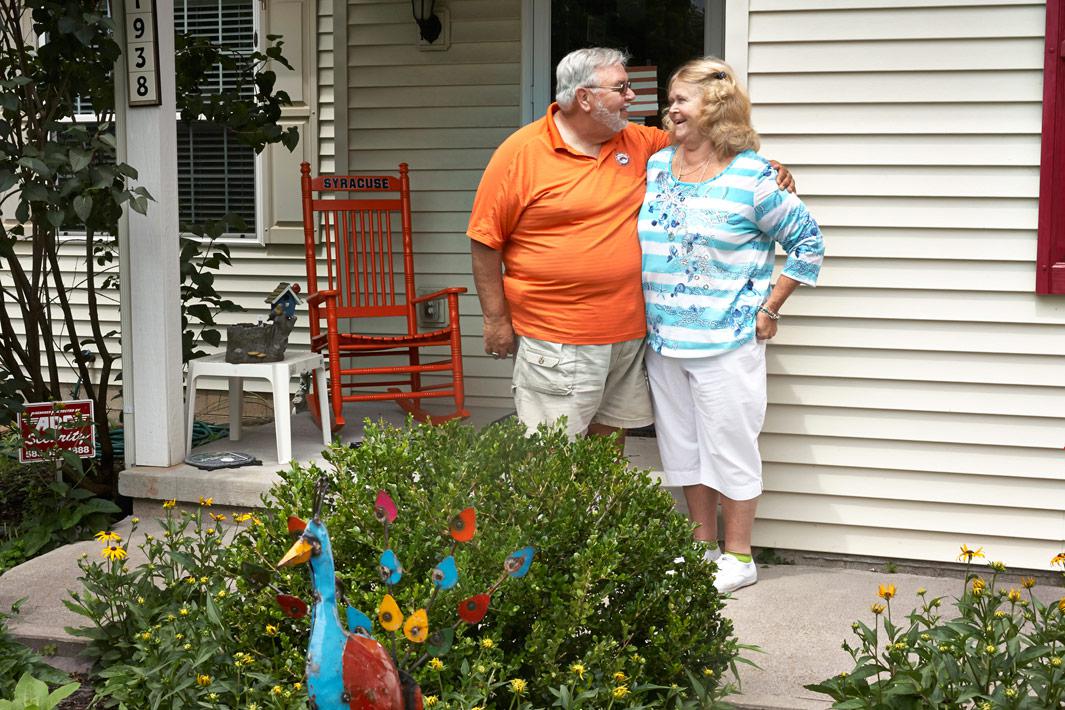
(347, 668)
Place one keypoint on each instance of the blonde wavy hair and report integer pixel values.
(726, 116)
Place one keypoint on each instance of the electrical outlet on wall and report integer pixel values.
(431, 314)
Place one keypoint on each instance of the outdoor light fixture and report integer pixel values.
(428, 23)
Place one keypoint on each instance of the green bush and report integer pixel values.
(618, 609)
(1004, 649)
(38, 513)
(173, 632)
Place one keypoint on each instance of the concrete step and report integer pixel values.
(244, 487)
(46, 582)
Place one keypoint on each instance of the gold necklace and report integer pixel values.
(682, 173)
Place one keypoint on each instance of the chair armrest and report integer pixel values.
(440, 294)
(319, 296)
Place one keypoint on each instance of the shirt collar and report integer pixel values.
(554, 138)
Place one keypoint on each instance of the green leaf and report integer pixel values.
(83, 207)
(7, 180)
(36, 165)
(139, 204)
(79, 159)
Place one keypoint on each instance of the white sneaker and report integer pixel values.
(733, 574)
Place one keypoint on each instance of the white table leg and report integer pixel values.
(190, 407)
(236, 407)
(323, 405)
(282, 425)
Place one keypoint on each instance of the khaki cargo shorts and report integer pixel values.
(602, 384)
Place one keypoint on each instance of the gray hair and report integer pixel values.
(578, 69)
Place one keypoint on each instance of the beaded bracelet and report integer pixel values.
(773, 315)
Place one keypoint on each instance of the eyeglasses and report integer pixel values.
(622, 89)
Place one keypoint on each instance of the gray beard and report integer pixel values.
(613, 121)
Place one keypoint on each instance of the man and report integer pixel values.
(558, 206)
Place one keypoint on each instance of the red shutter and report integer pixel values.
(1050, 258)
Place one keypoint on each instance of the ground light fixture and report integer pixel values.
(429, 24)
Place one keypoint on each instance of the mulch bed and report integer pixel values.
(81, 698)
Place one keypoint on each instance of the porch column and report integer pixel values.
(151, 333)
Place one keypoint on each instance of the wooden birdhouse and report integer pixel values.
(283, 300)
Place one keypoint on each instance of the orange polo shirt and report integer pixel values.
(566, 225)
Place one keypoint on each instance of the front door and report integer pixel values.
(659, 35)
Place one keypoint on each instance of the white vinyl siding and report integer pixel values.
(443, 113)
(916, 394)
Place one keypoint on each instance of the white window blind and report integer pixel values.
(216, 174)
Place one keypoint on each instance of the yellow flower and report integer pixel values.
(436, 664)
(978, 585)
(276, 690)
(206, 502)
(171, 617)
(146, 636)
(242, 517)
(107, 536)
(271, 630)
(253, 706)
(968, 555)
(210, 531)
(620, 677)
(1061, 605)
(990, 648)
(190, 580)
(218, 517)
(168, 504)
(140, 600)
(578, 669)
(1027, 582)
(1058, 559)
(620, 691)
(708, 672)
(221, 594)
(886, 591)
(921, 591)
(113, 552)
(184, 611)
(213, 697)
(187, 647)
(431, 700)
(997, 566)
(134, 520)
(518, 686)
(877, 608)
(1055, 661)
(1014, 595)
(203, 579)
(999, 614)
(297, 686)
(203, 680)
(486, 643)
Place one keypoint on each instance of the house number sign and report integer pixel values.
(142, 53)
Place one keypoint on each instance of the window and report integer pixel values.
(217, 175)
(1050, 257)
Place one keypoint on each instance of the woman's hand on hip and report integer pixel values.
(765, 327)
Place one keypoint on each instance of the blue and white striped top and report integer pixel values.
(708, 252)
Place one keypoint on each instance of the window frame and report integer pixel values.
(256, 236)
(1050, 253)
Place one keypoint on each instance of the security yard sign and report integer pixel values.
(49, 428)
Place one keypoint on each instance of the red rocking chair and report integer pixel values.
(357, 231)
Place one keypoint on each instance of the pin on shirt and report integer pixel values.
(622, 158)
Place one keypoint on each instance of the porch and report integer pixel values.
(244, 486)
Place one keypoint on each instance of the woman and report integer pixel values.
(708, 227)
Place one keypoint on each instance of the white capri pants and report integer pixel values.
(709, 412)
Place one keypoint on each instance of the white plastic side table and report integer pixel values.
(279, 374)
